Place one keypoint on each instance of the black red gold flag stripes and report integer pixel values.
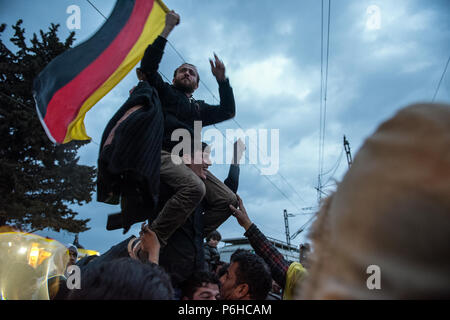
(77, 79)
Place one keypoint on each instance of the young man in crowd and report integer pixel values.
(201, 285)
(247, 278)
(289, 276)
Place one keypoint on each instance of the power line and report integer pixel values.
(323, 110)
(239, 125)
(323, 96)
(326, 79)
(321, 102)
(96, 9)
(302, 228)
(440, 81)
(176, 51)
(335, 165)
(270, 181)
(279, 173)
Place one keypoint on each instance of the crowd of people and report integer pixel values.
(390, 211)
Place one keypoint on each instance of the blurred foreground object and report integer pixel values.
(26, 262)
(391, 213)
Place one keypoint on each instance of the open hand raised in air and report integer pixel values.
(217, 68)
(241, 214)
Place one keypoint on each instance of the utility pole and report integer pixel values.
(348, 153)
(286, 226)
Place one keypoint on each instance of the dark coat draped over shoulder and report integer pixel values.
(128, 167)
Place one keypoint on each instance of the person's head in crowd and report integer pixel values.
(186, 78)
(384, 233)
(238, 251)
(247, 278)
(219, 267)
(198, 160)
(201, 285)
(222, 270)
(213, 238)
(123, 279)
(73, 254)
(140, 74)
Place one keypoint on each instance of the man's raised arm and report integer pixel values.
(154, 52)
(227, 108)
(172, 20)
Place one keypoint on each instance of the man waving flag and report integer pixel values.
(77, 79)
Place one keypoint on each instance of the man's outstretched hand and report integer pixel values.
(241, 214)
(150, 243)
(217, 68)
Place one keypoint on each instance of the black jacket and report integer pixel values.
(128, 168)
(180, 111)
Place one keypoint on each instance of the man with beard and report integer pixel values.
(180, 110)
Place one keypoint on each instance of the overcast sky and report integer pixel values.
(272, 53)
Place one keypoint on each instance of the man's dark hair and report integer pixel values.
(238, 251)
(223, 269)
(189, 64)
(197, 280)
(123, 279)
(253, 271)
(215, 235)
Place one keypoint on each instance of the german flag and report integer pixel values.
(78, 78)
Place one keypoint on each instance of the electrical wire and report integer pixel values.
(440, 81)
(96, 9)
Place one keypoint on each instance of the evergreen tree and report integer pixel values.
(38, 179)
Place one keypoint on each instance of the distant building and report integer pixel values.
(290, 253)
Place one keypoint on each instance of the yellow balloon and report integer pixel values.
(27, 261)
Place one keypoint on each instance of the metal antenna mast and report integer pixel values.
(286, 226)
(348, 153)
